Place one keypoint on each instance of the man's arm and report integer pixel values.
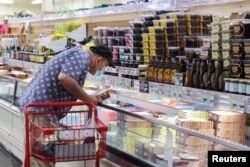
(72, 87)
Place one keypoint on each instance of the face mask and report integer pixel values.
(100, 72)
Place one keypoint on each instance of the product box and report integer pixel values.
(195, 123)
(229, 125)
(137, 124)
(187, 114)
(229, 132)
(192, 140)
(237, 139)
(206, 131)
(227, 116)
(195, 148)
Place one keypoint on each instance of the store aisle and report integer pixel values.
(7, 161)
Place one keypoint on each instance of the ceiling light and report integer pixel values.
(36, 2)
(6, 1)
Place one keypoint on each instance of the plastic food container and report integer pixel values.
(155, 30)
(119, 31)
(117, 41)
(136, 24)
(145, 36)
(169, 30)
(226, 35)
(136, 30)
(179, 23)
(237, 49)
(193, 23)
(123, 49)
(247, 68)
(171, 43)
(146, 58)
(225, 45)
(156, 44)
(174, 51)
(136, 43)
(155, 52)
(115, 49)
(236, 68)
(167, 22)
(216, 27)
(194, 31)
(145, 44)
(171, 37)
(145, 51)
(156, 37)
(148, 23)
(148, 17)
(104, 40)
(226, 53)
(216, 54)
(108, 31)
(216, 36)
(247, 48)
(215, 45)
(181, 30)
(156, 23)
(220, 17)
(205, 23)
(227, 25)
(135, 50)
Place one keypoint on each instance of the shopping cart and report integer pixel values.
(79, 136)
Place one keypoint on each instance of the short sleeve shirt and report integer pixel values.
(45, 86)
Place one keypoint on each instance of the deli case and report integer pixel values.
(143, 129)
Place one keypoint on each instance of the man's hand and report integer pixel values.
(95, 99)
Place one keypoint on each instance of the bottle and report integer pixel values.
(155, 73)
(166, 71)
(197, 74)
(188, 72)
(173, 71)
(143, 72)
(135, 71)
(203, 74)
(218, 83)
(192, 74)
(151, 69)
(160, 71)
(210, 74)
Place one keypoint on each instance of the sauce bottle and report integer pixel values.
(218, 76)
(173, 71)
(203, 77)
(210, 75)
(155, 73)
(197, 74)
(192, 74)
(160, 71)
(166, 71)
(151, 69)
(188, 71)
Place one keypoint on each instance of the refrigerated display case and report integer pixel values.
(144, 129)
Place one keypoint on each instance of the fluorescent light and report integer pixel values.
(36, 2)
(6, 1)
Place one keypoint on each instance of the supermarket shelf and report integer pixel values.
(20, 63)
(213, 99)
(218, 140)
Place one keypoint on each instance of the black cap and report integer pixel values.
(104, 51)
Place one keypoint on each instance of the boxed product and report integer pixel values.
(192, 140)
(192, 114)
(227, 116)
(195, 123)
(195, 148)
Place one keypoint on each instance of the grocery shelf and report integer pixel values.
(20, 63)
(214, 99)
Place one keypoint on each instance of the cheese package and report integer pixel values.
(227, 116)
(229, 132)
(229, 125)
(192, 140)
(195, 123)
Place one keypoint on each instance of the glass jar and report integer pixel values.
(227, 82)
(248, 88)
(242, 87)
(233, 88)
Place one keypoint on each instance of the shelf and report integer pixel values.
(20, 63)
(209, 98)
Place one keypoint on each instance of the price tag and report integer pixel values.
(186, 93)
(167, 90)
(153, 88)
(236, 102)
(127, 83)
(160, 90)
(207, 98)
(176, 92)
(144, 86)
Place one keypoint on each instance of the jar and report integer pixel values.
(233, 88)
(248, 88)
(247, 48)
(247, 68)
(242, 87)
(237, 49)
(227, 82)
(236, 68)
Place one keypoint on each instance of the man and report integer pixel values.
(62, 78)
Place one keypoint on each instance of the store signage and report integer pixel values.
(236, 102)
(207, 98)
(144, 87)
(176, 92)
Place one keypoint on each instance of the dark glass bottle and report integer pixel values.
(203, 77)
(192, 74)
(210, 74)
(197, 74)
(166, 71)
(151, 69)
(218, 76)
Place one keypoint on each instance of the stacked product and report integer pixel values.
(131, 129)
(194, 144)
(229, 125)
(148, 149)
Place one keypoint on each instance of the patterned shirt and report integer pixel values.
(45, 86)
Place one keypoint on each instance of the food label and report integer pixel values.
(242, 88)
(225, 27)
(226, 45)
(247, 49)
(247, 70)
(226, 36)
(160, 75)
(236, 70)
(166, 76)
(238, 29)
